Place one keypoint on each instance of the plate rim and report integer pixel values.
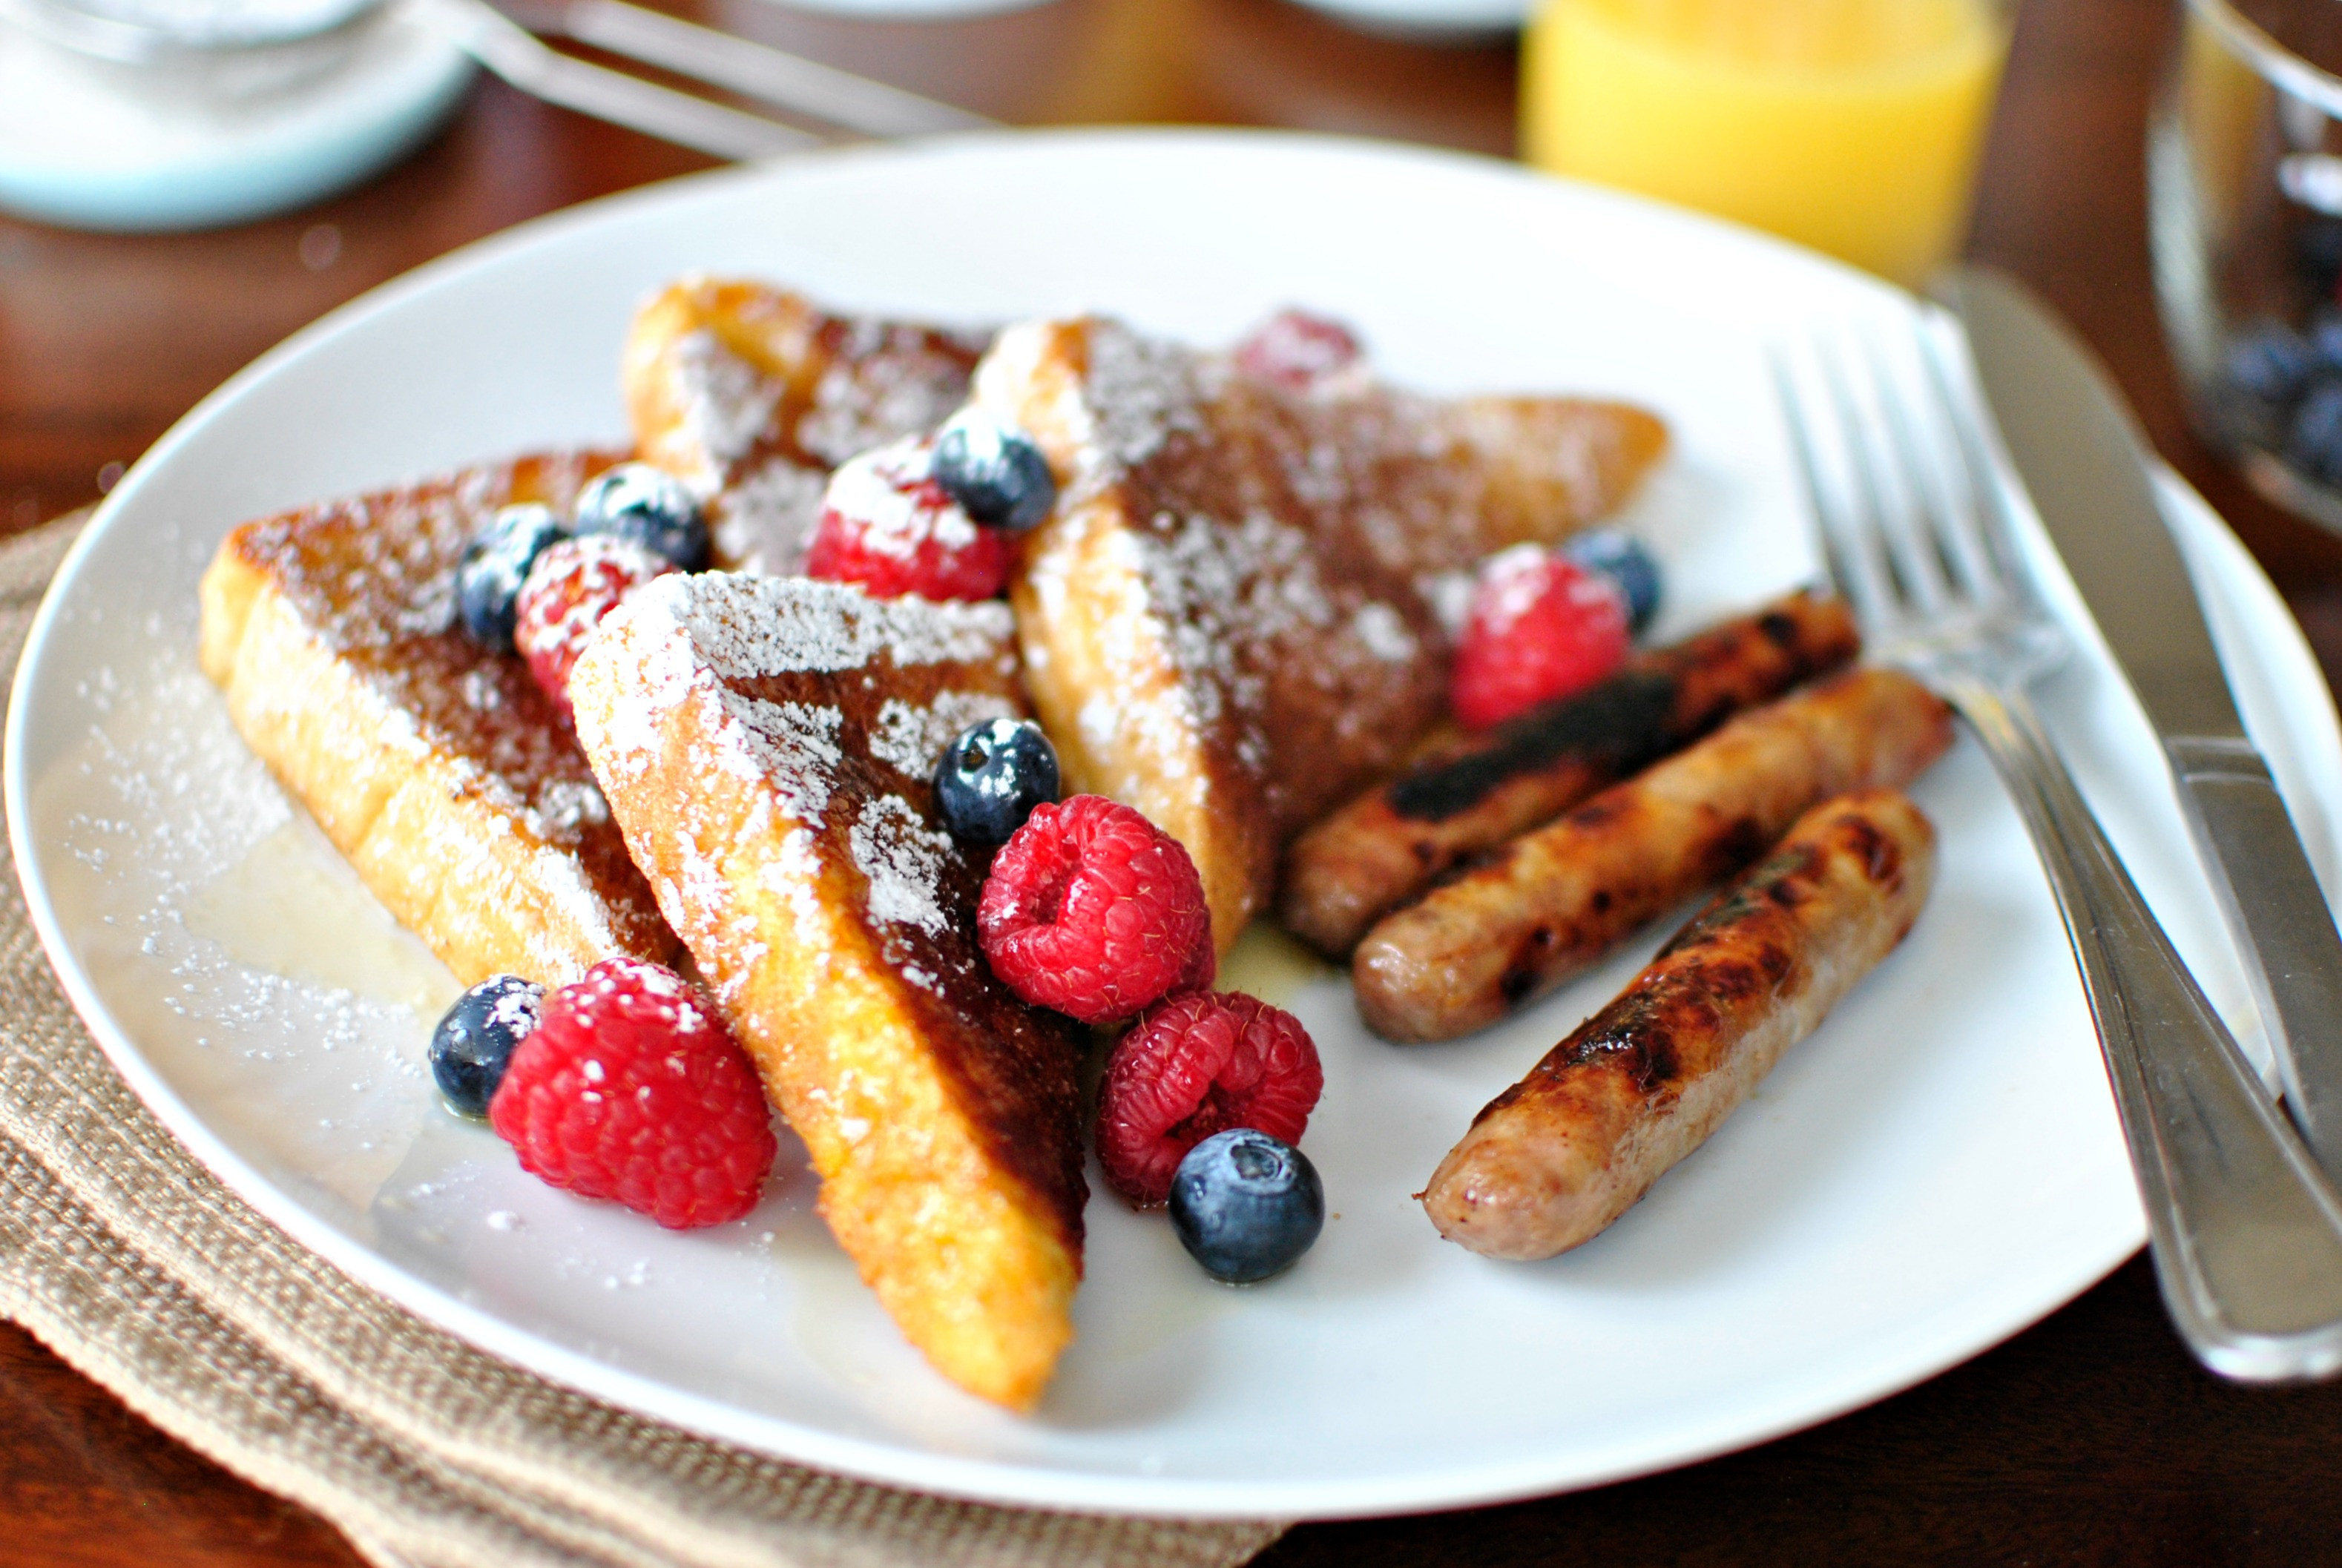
(896, 1463)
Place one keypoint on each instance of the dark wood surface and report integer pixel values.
(2089, 1439)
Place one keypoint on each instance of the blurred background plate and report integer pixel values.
(1461, 19)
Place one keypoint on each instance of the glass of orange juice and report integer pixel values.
(1850, 125)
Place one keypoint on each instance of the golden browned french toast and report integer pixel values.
(434, 765)
(751, 395)
(766, 744)
(1229, 621)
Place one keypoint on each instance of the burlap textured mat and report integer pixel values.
(126, 1258)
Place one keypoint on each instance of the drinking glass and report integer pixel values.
(1850, 125)
(2245, 210)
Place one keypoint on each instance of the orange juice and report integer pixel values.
(1850, 125)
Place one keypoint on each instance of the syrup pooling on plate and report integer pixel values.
(246, 958)
(358, 673)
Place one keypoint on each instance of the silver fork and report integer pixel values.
(2247, 1234)
(794, 84)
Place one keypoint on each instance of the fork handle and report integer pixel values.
(2246, 1235)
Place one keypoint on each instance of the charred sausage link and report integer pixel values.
(1551, 902)
(1392, 842)
(1556, 1157)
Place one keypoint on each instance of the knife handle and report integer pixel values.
(2246, 1234)
(2281, 921)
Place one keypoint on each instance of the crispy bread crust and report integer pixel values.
(435, 765)
(751, 395)
(1227, 622)
(942, 1114)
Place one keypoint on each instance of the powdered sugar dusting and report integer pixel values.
(794, 873)
(725, 404)
(564, 806)
(573, 584)
(514, 1009)
(904, 860)
(815, 698)
(891, 492)
(1133, 395)
(911, 737)
(513, 855)
(797, 744)
(1450, 597)
(1249, 581)
(742, 626)
(1141, 391)
(765, 519)
(1512, 581)
(1382, 632)
(883, 380)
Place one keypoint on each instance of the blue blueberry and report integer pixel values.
(2317, 254)
(494, 564)
(2325, 344)
(997, 476)
(649, 507)
(2271, 363)
(2314, 444)
(988, 781)
(1246, 1205)
(1625, 563)
(475, 1039)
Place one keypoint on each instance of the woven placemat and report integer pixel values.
(123, 1254)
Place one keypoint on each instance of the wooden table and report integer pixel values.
(2091, 1438)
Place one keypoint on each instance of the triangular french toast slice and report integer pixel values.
(433, 763)
(766, 744)
(1228, 622)
(751, 395)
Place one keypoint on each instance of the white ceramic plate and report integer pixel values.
(1935, 1169)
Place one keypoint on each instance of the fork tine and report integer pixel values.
(1926, 551)
(1878, 516)
(1986, 537)
(1855, 571)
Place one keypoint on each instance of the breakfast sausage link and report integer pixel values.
(1551, 902)
(1392, 842)
(1556, 1157)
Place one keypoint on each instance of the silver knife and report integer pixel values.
(2084, 461)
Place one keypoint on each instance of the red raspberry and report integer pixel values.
(1203, 964)
(1092, 909)
(631, 1088)
(1197, 1064)
(1299, 351)
(886, 525)
(573, 584)
(1542, 627)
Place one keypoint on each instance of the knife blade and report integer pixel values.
(2084, 461)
